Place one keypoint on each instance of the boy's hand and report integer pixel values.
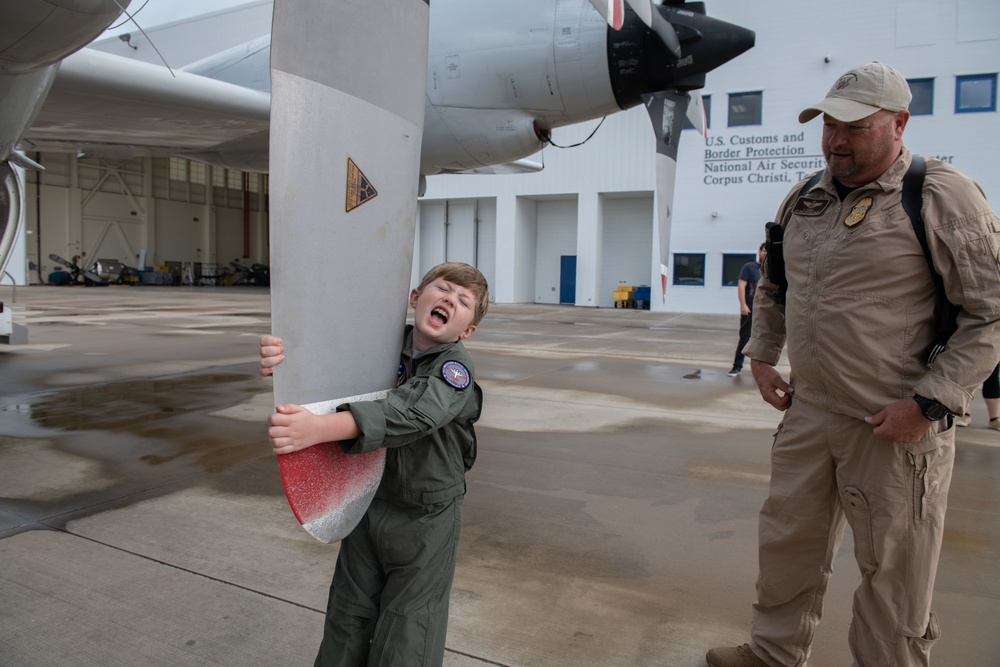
(272, 352)
(293, 427)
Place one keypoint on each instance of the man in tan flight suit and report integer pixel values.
(868, 432)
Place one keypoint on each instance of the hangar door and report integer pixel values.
(457, 230)
(555, 238)
(627, 241)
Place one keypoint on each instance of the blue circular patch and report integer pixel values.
(455, 374)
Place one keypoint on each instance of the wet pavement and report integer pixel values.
(610, 519)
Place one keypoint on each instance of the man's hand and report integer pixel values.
(902, 421)
(773, 388)
(272, 352)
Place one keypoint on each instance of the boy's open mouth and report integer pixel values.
(440, 315)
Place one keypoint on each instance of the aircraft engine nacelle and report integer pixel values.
(468, 139)
(39, 33)
(546, 60)
(557, 63)
(35, 35)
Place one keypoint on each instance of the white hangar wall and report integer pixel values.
(730, 183)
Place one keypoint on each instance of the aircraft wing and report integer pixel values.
(106, 105)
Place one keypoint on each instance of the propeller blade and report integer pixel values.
(696, 114)
(73, 266)
(92, 277)
(59, 260)
(649, 15)
(667, 110)
(645, 10)
(348, 81)
(613, 11)
(659, 25)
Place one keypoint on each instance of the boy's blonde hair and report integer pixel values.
(463, 275)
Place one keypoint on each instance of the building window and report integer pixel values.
(922, 103)
(731, 265)
(689, 269)
(706, 101)
(745, 109)
(198, 173)
(976, 93)
(178, 169)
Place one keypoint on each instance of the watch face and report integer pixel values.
(932, 409)
(936, 411)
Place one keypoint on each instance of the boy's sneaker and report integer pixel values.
(995, 423)
(964, 420)
(734, 656)
(734, 372)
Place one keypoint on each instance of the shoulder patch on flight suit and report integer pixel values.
(807, 206)
(456, 374)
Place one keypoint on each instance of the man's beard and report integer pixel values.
(860, 163)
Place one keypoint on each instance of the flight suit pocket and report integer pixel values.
(980, 271)
(777, 433)
(859, 516)
(933, 438)
(920, 647)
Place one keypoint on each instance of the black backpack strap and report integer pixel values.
(946, 313)
(913, 200)
(813, 180)
(774, 264)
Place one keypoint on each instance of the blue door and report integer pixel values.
(567, 279)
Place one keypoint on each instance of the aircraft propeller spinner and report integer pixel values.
(679, 45)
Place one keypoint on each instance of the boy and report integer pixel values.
(388, 600)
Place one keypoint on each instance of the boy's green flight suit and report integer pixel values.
(389, 597)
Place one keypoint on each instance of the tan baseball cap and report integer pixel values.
(861, 92)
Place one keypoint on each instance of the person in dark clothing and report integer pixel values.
(991, 396)
(747, 288)
(388, 603)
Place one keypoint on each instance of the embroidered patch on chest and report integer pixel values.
(859, 212)
(456, 374)
(806, 206)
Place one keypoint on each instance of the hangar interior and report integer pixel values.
(183, 219)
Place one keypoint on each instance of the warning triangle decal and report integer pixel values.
(359, 189)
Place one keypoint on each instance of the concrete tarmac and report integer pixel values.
(610, 521)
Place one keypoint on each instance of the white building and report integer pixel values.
(595, 202)
(584, 225)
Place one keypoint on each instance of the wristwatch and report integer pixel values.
(932, 410)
